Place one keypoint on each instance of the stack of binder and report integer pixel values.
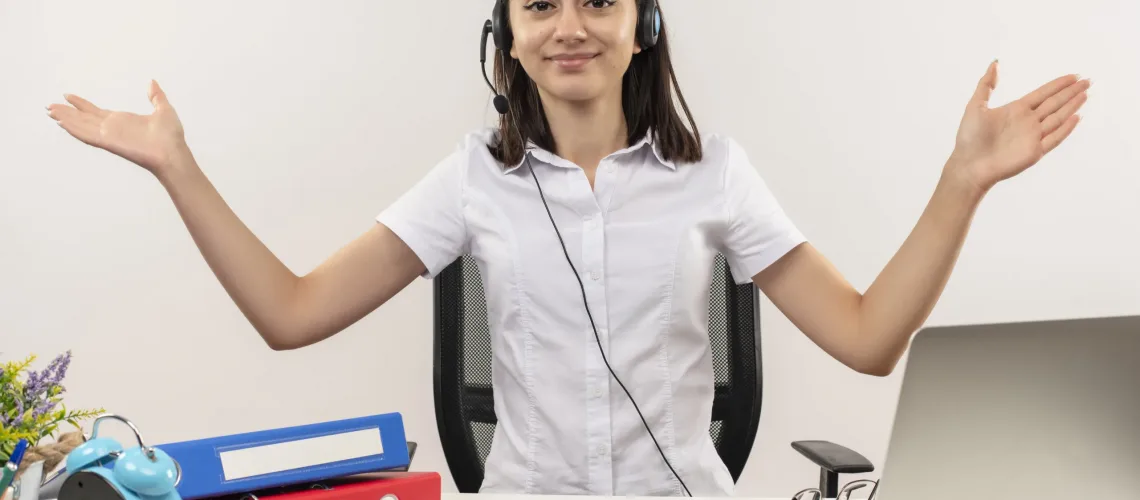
(346, 459)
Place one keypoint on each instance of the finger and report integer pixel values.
(1058, 136)
(1070, 108)
(1035, 98)
(62, 111)
(156, 95)
(986, 85)
(1052, 104)
(82, 126)
(83, 105)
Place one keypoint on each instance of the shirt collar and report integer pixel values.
(541, 154)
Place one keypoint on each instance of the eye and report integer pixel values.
(600, 4)
(539, 6)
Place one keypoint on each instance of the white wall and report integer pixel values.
(311, 117)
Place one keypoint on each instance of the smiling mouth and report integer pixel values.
(573, 61)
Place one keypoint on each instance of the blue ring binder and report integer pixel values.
(250, 461)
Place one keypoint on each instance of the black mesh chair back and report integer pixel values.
(464, 406)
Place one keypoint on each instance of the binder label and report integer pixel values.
(300, 453)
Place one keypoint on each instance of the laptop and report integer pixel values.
(1043, 410)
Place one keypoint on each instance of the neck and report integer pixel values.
(587, 132)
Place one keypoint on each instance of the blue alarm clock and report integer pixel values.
(101, 469)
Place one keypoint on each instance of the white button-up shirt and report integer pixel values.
(643, 242)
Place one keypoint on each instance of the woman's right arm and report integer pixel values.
(288, 311)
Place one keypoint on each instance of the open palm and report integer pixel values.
(146, 140)
(998, 143)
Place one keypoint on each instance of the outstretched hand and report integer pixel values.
(150, 141)
(994, 144)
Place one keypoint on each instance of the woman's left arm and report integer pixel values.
(870, 331)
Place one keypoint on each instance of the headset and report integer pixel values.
(498, 26)
(648, 30)
(101, 469)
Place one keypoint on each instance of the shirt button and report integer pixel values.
(597, 392)
(601, 451)
(594, 275)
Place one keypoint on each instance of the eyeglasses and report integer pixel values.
(846, 489)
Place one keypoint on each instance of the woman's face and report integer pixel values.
(574, 50)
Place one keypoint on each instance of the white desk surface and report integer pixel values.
(477, 496)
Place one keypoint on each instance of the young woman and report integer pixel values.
(595, 215)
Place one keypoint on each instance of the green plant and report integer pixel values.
(31, 402)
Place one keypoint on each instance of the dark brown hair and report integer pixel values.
(647, 101)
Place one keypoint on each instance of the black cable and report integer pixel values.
(596, 336)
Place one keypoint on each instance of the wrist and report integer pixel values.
(179, 162)
(960, 180)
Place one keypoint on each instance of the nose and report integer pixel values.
(569, 27)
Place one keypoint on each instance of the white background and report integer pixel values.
(311, 117)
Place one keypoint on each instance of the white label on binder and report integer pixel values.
(278, 457)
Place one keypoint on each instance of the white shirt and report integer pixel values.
(644, 241)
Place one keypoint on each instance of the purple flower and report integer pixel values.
(19, 411)
(16, 418)
(43, 408)
(41, 383)
(34, 385)
(42, 389)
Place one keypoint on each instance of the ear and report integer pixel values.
(637, 48)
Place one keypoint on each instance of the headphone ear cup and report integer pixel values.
(501, 27)
(648, 23)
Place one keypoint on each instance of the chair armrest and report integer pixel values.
(834, 457)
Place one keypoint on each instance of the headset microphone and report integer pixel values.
(500, 101)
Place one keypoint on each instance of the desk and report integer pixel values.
(476, 496)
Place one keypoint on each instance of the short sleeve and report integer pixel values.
(429, 217)
(758, 231)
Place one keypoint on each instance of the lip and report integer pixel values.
(573, 61)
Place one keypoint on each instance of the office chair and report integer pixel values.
(464, 405)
